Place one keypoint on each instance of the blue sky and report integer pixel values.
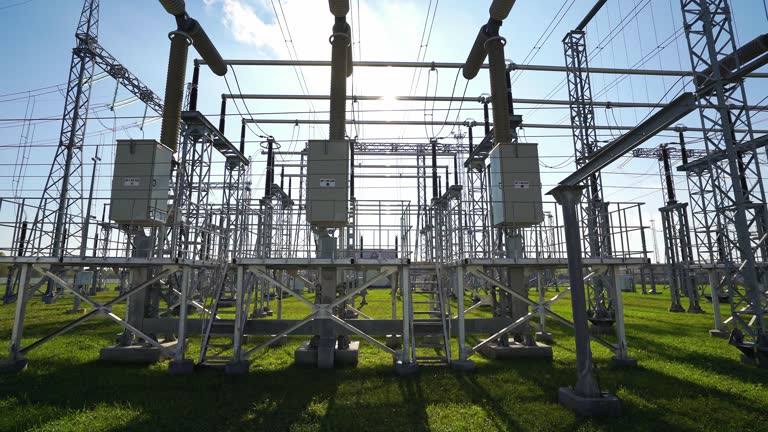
(40, 35)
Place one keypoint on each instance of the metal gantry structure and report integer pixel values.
(596, 235)
(730, 173)
(678, 248)
(209, 258)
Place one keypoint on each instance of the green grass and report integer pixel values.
(686, 381)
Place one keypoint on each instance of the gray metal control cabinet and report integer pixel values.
(328, 183)
(140, 183)
(515, 185)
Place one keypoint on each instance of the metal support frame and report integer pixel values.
(17, 351)
(319, 311)
(593, 210)
(59, 215)
(738, 197)
(586, 383)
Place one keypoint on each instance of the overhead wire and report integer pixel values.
(536, 48)
(14, 4)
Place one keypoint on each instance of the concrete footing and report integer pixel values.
(463, 365)
(760, 361)
(607, 405)
(406, 369)
(676, 309)
(13, 366)
(720, 333)
(515, 351)
(544, 337)
(625, 362)
(350, 314)
(279, 342)
(227, 302)
(696, 310)
(261, 313)
(181, 367)
(237, 368)
(394, 341)
(135, 354)
(307, 356)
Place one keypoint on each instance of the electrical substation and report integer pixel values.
(202, 254)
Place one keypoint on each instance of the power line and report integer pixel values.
(15, 4)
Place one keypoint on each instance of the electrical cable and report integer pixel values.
(14, 4)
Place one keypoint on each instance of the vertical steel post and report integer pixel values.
(407, 357)
(569, 198)
(183, 306)
(21, 309)
(240, 314)
(460, 307)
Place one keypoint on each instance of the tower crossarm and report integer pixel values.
(109, 64)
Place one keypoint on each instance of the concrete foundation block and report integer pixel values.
(463, 365)
(676, 309)
(625, 362)
(282, 341)
(696, 310)
(516, 351)
(13, 365)
(308, 357)
(135, 354)
(236, 368)
(350, 314)
(227, 302)
(544, 337)
(406, 369)
(181, 367)
(720, 334)
(394, 341)
(305, 356)
(347, 357)
(607, 405)
(760, 360)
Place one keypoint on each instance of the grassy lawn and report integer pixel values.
(686, 381)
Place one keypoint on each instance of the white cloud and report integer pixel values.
(247, 27)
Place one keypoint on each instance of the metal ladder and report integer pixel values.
(218, 295)
(436, 326)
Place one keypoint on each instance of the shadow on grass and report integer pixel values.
(511, 394)
(731, 367)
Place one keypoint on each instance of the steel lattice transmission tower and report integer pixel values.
(59, 215)
(62, 195)
(594, 210)
(739, 221)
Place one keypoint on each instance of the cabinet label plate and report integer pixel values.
(522, 184)
(131, 182)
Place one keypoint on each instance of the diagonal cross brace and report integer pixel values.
(260, 272)
(98, 309)
(386, 272)
(537, 306)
